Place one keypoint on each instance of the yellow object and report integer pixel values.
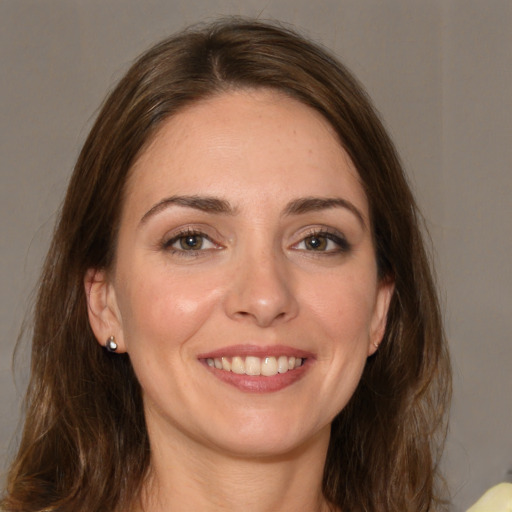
(496, 499)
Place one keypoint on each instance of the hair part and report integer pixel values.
(85, 446)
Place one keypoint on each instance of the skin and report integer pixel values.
(265, 275)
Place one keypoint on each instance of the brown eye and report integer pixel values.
(191, 242)
(316, 243)
(324, 242)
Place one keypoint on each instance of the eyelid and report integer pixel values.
(171, 238)
(334, 235)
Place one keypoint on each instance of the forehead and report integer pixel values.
(240, 141)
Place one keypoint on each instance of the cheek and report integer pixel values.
(162, 309)
(342, 319)
(344, 307)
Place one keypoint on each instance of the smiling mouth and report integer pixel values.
(256, 366)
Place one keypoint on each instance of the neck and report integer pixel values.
(188, 476)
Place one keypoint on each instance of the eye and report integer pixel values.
(189, 241)
(323, 241)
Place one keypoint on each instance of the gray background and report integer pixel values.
(440, 72)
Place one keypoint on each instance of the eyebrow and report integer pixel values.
(216, 205)
(314, 204)
(202, 203)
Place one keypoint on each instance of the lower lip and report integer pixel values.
(259, 383)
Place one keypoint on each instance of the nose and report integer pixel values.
(261, 291)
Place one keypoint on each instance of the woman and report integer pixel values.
(237, 311)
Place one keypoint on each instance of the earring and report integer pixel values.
(111, 344)
(375, 344)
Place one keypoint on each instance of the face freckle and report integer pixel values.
(286, 267)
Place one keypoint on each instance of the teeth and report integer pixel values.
(251, 365)
(269, 366)
(238, 365)
(282, 364)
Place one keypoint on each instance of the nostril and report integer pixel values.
(260, 300)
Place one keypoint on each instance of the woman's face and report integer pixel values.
(245, 286)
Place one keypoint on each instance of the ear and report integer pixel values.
(104, 315)
(380, 314)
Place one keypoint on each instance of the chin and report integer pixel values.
(264, 438)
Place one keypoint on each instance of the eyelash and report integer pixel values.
(343, 246)
(182, 235)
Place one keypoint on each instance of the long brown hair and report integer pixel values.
(84, 446)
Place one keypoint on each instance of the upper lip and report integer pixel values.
(255, 351)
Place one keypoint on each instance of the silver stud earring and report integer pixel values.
(111, 344)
